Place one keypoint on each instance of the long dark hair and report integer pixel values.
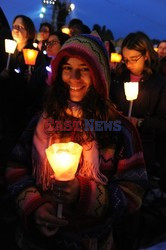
(93, 106)
(141, 42)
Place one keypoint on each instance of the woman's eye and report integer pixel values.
(133, 60)
(67, 68)
(85, 69)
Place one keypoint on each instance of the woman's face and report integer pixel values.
(76, 75)
(19, 32)
(134, 60)
(44, 33)
(53, 46)
(162, 49)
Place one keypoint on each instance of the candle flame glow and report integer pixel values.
(64, 159)
(131, 90)
(10, 46)
(30, 56)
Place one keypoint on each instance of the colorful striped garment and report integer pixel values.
(99, 202)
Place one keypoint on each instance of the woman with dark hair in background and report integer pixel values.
(43, 35)
(161, 49)
(140, 64)
(14, 83)
(13, 96)
(162, 57)
(40, 79)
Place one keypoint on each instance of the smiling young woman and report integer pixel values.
(111, 176)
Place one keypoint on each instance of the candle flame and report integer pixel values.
(64, 159)
(131, 90)
(10, 46)
(30, 56)
(115, 57)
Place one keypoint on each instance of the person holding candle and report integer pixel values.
(111, 175)
(44, 32)
(39, 82)
(14, 83)
(140, 64)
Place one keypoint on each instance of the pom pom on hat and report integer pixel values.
(90, 49)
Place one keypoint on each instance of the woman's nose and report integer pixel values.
(75, 74)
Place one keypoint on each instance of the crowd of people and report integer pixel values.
(117, 198)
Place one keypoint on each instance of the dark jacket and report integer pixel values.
(140, 227)
(150, 105)
(14, 98)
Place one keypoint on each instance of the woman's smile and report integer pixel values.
(76, 88)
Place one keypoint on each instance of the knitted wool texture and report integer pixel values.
(91, 50)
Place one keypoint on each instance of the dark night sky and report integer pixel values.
(120, 16)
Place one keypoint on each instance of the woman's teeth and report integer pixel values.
(75, 88)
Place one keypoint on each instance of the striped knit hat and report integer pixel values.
(90, 49)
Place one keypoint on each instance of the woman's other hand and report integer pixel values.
(66, 192)
(47, 221)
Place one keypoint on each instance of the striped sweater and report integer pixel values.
(98, 204)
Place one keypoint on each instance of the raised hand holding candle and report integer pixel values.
(10, 46)
(64, 159)
(131, 92)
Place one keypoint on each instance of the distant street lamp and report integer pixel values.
(72, 6)
(49, 2)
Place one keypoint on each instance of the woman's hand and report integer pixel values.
(66, 192)
(5, 74)
(136, 122)
(46, 220)
(27, 75)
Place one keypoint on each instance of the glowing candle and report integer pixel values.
(10, 46)
(115, 57)
(131, 92)
(65, 30)
(30, 56)
(64, 159)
